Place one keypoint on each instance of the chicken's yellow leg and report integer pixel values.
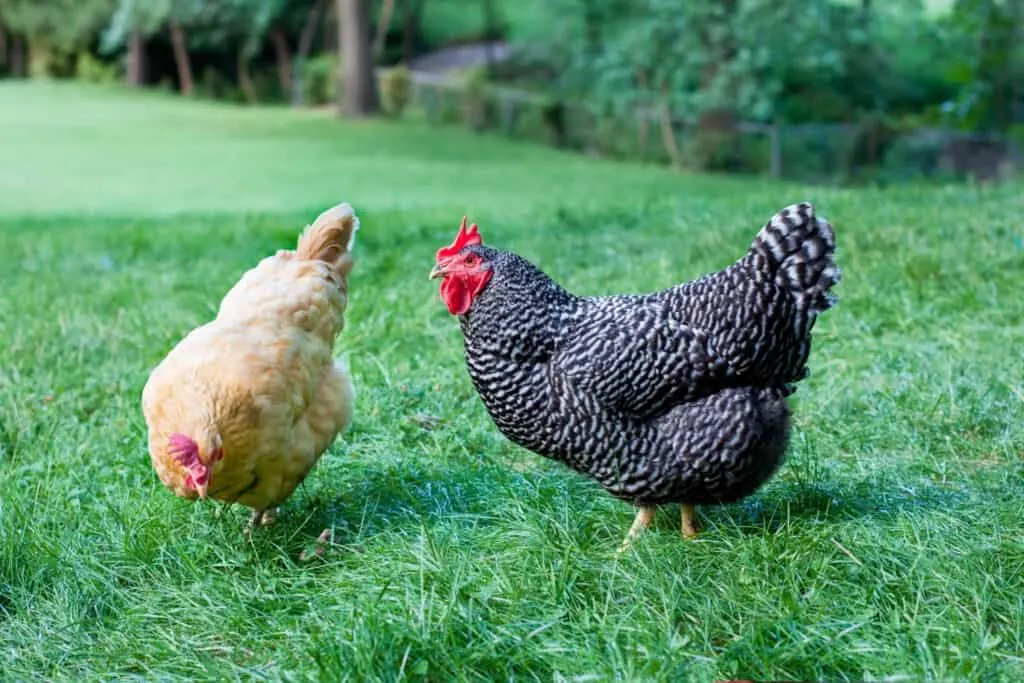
(691, 525)
(642, 520)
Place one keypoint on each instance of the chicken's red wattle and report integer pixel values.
(455, 295)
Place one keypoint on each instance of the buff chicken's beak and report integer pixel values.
(201, 490)
(438, 271)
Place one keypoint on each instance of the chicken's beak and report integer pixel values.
(438, 271)
(201, 490)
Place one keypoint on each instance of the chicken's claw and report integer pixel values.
(260, 518)
(321, 544)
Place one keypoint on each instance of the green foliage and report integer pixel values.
(989, 64)
(396, 90)
(63, 25)
(698, 56)
(320, 80)
(49, 61)
(206, 23)
(788, 60)
(145, 16)
(92, 70)
(887, 547)
(477, 103)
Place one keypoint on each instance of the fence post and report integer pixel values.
(507, 108)
(430, 102)
(775, 138)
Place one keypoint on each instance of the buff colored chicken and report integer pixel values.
(244, 406)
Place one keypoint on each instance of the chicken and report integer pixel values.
(244, 406)
(679, 396)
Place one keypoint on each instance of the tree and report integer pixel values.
(412, 18)
(290, 67)
(703, 62)
(136, 20)
(358, 87)
(248, 24)
(239, 24)
(52, 27)
(387, 10)
(991, 65)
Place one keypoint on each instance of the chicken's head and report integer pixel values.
(464, 270)
(198, 461)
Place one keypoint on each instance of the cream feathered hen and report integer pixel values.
(244, 406)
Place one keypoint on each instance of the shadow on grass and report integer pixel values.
(379, 498)
(833, 501)
(396, 495)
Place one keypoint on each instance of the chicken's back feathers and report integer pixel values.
(308, 285)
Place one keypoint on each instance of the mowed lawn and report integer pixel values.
(891, 543)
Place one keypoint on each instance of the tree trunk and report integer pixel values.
(309, 28)
(135, 74)
(412, 12)
(490, 18)
(40, 57)
(302, 52)
(284, 59)
(3, 44)
(716, 137)
(17, 56)
(181, 59)
(668, 136)
(245, 78)
(358, 87)
(387, 10)
(330, 22)
(644, 130)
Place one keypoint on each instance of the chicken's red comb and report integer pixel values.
(464, 239)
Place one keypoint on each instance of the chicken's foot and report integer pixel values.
(261, 518)
(269, 517)
(643, 519)
(691, 525)
(322, 541)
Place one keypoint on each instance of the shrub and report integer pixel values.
(92, 70)
(477, 105)
(320, 80)
(396, 90)
(912, 157)
(213, 84)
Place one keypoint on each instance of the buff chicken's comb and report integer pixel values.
(465, 238)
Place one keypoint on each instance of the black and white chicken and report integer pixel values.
(673, 397)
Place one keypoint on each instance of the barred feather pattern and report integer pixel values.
(676, 396)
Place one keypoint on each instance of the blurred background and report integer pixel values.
(839, 91)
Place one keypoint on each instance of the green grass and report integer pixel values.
(891, 544)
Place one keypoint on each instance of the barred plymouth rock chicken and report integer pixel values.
(673, 397)
(244, 406)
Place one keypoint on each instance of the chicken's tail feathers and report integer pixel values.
(330, 238)
(799, 249)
